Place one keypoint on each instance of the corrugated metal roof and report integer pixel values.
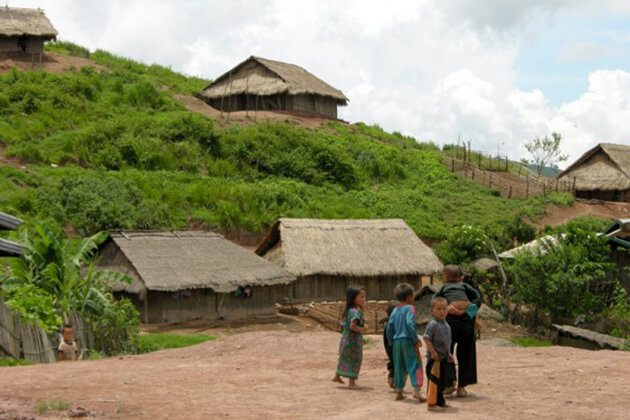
(10, 249)
(8, 222)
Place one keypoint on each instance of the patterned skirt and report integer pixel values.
(350, 354)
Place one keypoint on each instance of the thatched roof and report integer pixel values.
(260, 76)
(16, 21)
(8, 222)
(355, 248)
(485, 264)
(170, 261)
(605, 167)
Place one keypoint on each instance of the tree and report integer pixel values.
(545, 151)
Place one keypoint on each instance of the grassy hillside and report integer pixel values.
(114, 149)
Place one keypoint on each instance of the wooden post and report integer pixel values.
(506, 164)
(452, 164)
(510, 192)
(479, 160)
(473, 173)
(489, 180)
(146, 307)
(519, 169)
(527, 186)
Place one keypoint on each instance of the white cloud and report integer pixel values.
(433, 69)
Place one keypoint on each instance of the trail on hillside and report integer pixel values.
(51, 62)
(555, 215)
(286, 375)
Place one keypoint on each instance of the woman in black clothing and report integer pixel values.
(463, 301)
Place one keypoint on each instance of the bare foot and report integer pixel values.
(399, 396)
(418, 396)
(352, 384)
(461, 393)
(390, 381)
(338, 379)
(433, 407)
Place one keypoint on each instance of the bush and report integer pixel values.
(566, 279)
(464, 244)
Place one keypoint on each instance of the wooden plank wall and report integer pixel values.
(22, 340)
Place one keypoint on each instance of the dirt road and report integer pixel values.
(281, 374)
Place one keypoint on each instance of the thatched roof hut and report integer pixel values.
(328, 255)
(9, 248)
(602, 173)
(24, 30)
(262, 84)
(178, 275)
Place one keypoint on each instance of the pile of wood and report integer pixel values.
(329, 314)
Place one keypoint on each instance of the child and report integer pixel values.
(438, 339)
(67, 349)
(402, 332)
(351, 345)
(389, 348)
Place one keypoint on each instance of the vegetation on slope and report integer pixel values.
(114, 149)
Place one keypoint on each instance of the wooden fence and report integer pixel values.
(509, 184)
(21, 340)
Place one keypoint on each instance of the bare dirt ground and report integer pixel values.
(51, 62)
(607, 210)
(285, 375)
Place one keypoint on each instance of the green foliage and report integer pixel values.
(131, 157)
(463, 244)
(55, 405)
(47, 283)
(560, 199)
(564, 279)
(530, 342)
(587, 223)
(160, 341)
(11, 362)
(68, 48)
(545, 151)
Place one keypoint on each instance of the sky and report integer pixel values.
(496, 73)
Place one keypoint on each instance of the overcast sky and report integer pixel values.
(495, 72)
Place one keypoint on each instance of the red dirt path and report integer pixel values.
(285, 375)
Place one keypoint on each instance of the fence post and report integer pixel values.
(519, 169)
(526, 185)
(479, 159)
(489, 180)
(556, 184)
(510, 192)
(506, 164)
(452, 164)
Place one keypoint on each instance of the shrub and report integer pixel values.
(565, 279)
(464, 244)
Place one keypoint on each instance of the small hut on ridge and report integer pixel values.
(24, 31)
(327, 256)
(262, 84)
(602, 173)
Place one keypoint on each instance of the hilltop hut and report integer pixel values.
(327, 256)
(24, 31)
(182, 276)
(602, 173)
(261, 84)
(9, 248)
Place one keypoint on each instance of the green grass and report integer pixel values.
(126, 155)
(56, 405)
(530, 342)
(10, 362)
(161, 341)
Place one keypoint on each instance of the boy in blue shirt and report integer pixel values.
(403, 334)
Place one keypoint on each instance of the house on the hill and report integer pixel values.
(9, 248)
(327, 256)
(602, 173)
(262, 84)
(182, 276)
(24, 31)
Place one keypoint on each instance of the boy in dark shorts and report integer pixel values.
(437, 337)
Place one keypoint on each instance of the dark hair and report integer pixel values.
(390, 307)
(351, 295)
(65, 327)
(452, 271)
(437, 300)
(402, 291)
